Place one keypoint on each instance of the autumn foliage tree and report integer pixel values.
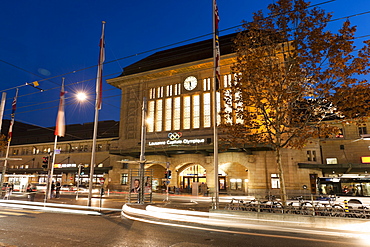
(291, 74)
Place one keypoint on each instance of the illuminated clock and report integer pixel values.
(190, 83)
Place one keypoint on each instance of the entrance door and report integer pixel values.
(222, 183)
(187, 182)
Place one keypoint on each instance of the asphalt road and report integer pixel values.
(20, 227)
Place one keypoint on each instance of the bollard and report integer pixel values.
(346, 206)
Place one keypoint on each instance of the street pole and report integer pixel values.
(142, 151)
(216, 58)
(78, 179)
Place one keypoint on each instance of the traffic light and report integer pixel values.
(45, 161)
(167, 174)
(82, 171)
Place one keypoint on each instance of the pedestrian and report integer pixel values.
(57, 190)
(52, 190)
(31, 192)
(7, 193)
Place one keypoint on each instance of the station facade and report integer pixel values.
(177, 84)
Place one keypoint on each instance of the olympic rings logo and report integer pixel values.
(174, 136)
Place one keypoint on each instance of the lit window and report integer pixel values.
(151, 116)
(227, 81)
(187, 112)
(218, 108)
(207, 110)
(160, 92)
(239, 107)
(275, 181)
(207, 84)
(331, 161)
(177, 113)
(124, 179)
(151, 93)
(340, 134)
(159, 115)
(196, 111)
(177, 90)
(169, 90)
(168, 114)
(228, 108)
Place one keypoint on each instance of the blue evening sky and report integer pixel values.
(44, 39)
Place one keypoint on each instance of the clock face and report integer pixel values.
(190, 83)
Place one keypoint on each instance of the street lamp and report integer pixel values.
(81, 96)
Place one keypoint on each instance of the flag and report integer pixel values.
(14, 107)
(60, 124)
(216, 20)
(99, 78)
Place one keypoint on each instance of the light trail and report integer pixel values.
(231, 231)
(185, 216)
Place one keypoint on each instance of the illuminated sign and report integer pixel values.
(175, 139)
(365, 159)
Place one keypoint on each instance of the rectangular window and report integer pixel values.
(340, 134)
(160, 92)
(124, 179)
(228, 108)
(159, 115)
(177, 90)
(239, 108)
(196, 111)
(218, 108)
(275, 181)
(151, 93)
(311, 155)
(207, 84)
(227, 81)
(169, 90)
(168, 114)
(331, 161)
(177, 113)
(150, 123)
(187, 112)
(207, 110)
(362, 130)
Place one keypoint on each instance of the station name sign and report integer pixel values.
(175, 139)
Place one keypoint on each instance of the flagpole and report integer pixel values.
(10, 133)
(2, 106)
(214, 99)
(59, 131)
(50, 179)
(98, 102)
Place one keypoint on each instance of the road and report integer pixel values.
(20, 227)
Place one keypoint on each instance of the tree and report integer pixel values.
(290, 75)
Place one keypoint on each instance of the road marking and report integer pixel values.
(15, 212)
(24, 211)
